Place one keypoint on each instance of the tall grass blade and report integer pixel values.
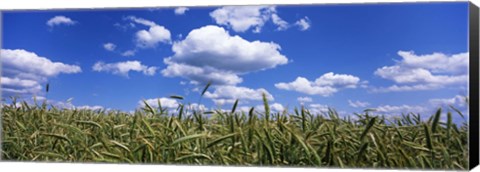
(436, 119)
(367, 128)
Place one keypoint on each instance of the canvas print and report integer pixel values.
(327, 86)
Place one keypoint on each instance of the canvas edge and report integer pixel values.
(474, 68)
(1, 96)
(473, 85)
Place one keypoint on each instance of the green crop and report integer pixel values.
(188, 136)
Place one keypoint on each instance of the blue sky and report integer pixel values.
(392, 57)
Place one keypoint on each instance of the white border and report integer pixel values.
(89, 4)
(78, 167)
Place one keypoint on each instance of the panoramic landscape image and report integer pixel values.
(325, 86)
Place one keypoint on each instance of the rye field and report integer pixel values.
(156, 135)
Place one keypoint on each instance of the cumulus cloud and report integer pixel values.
(436, 62)
(181, 10)
(68, 104)
(123, 68)
(151, 37)
(418, 75)
(304, 99)
(317, 108)
(90, 107)
(358, 104)
(243, 18)
(427, 108)
(325, 85)
(456, 101)
(60, 20)
(109, 46)
(303, 24)
(303, 85)
(228, 94)
(397, 88)
(277, 107)
(128, 53)
(397, 110)
(210, 53)
(165, 102)
(331, 79)
(281, 24)
(200, 74)
(274, 108)
(18, 82)
(124, 27)
(25, 72)
(245, 109)
(196, 107)
(423, 72)
(30, 62)
(222, 101)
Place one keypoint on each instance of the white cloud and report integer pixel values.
(364, 84)
(423, 72)
(317, 109)
(199, 74)
(210, 53)
(331, 79)
(243, 18)
(228, 94)
(223, 101)
(39, 98)
(277, 107)
(124, 27)
(59, 20)
(123, 68)
(245, 109)
(90, 107)
(180, 10)
(281, 24)
(406, 88)
(358, 104)
(303, 24)
(128, 53)
(436, 62)
(165, 102)
(304, 86)
(397, 110)
(304, 99)
(151, 37)
(404, 75)
(18, 82)
(457, 101)
(61, 104)
(109, 46)
(141, 21)
(32, 63)
(21, 90)
(68, 104)
(25, 72)
(325, 85)
(425, 109)
(196, 107)
(274, 108)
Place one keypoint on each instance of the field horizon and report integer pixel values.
(153, 135)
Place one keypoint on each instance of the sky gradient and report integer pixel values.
(392, 57)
